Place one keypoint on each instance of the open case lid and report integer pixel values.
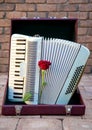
(53, 28)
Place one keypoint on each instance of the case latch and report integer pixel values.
(18, 109)
(68, 109)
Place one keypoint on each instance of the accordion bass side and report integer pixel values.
(67, 58)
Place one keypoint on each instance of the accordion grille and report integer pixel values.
(74, 80)
(31, 68)
(33, 55)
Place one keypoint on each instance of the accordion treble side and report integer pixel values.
(24, 72)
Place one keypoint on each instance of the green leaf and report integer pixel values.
(27, 96)
(44, 84)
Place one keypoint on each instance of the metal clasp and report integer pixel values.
(68, 109)
(18, 109)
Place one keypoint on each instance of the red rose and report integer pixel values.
(44, 64)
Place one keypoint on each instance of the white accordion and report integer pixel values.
(67, 58)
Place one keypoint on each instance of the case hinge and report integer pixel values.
(18, 109)
(68, 109)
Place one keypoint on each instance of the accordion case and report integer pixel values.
(53, 40)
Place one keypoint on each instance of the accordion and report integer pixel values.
(67, 58)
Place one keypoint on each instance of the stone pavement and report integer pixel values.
(50, 122)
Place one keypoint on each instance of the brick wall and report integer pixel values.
(81, 9)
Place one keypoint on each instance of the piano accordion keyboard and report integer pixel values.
(24, 71)
(17, 55)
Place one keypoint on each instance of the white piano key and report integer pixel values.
(18, 46)
(18, 56)
(15, 77)
(14, 68)
(17, 95)
(18, 91)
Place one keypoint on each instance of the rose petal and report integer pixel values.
(44, 64)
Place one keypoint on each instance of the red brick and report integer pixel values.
(36, 14)
(79, 15)
(81, 39)
(67, 7)
(46, 7)
(88, 69)
(0, 45)
(4, 23)
(57, 15)
(7, 30)
(4, 54)
(90, 15)
(89, 62)
(2, 14)
(1, 1)
(14, 1)
(25, 7)
(82, 31)
(70, 8)
(5, 46)
(15, 14)
(90, 46)
(85, 7)
(85, 23)
(60, 8)
(89, 39)
(0, 53)
(3, 68)
(78, 1)
(7, 7)
(56, 1)
(4, 38)
(35, 1)
(89, 31)
(91, 54)
(4, 61)
(1, 30)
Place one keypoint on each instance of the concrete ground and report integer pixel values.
(50, 122)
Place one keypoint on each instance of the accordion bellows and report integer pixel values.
(67, 58)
